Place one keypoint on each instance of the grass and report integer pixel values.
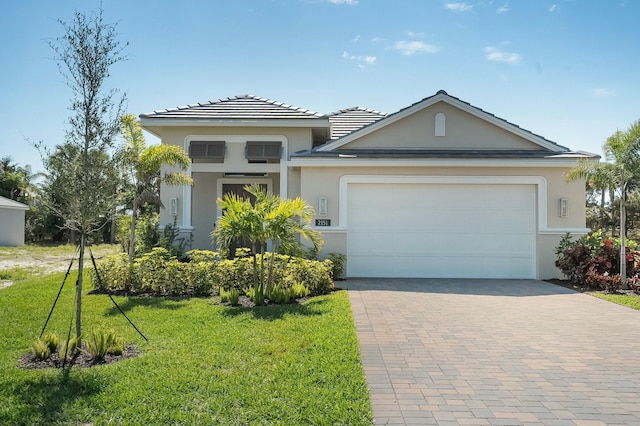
(621, 299)
(204, 363)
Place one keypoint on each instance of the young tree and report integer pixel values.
(621, 171)
(81, 170)
(142, 167)
(268, 219)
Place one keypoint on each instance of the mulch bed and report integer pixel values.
(81, 359)
(570, 286)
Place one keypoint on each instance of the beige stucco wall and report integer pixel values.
(324, 181)
(418, 131)
(205, 190)
(12, 229)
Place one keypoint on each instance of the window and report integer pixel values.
(440, 124)
(208, 151)
(263, 152)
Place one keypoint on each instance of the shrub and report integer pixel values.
(103, 341)
(604, 281)
(337, 260)
(298, 290)
(69, 347)
(279, 294)
(52, 340)
(232, 296)
(158, 272)
(236, 273)
(256, 294)
(115, 273)
(41, 349)
(203, 256)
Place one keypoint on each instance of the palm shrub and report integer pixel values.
(232, 296)
(103, 341)
(69, 347)
(279, 294)
(268, 219)
(41, 349)
(298, 290)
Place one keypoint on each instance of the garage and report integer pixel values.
(441, 230)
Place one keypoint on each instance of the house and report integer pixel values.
(12, 220)
(440, 188)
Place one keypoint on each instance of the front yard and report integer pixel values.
(204, 363)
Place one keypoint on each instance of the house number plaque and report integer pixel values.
(323, 222)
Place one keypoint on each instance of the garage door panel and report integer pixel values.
(441, 230)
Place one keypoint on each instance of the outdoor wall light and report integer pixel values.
(322, 206)
(563, 207)
(173, 207)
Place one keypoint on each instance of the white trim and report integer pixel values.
(429, 162)
(539, 181)
(207, 122)
(562, 231)
(426, 103)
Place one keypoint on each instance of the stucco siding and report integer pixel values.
(462, 131)
(12, 230)
(325, 182)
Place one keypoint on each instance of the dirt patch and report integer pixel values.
(5, 284)
(81, 359)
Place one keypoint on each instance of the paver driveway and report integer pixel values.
(506, 352)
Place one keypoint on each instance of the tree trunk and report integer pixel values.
(132, 235)
(114, 227)
(623, 249)
(83, 241)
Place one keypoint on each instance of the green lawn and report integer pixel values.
(203, 364)
(620, 299)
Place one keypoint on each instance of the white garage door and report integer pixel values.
(441, 230)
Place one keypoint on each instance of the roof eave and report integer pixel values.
(146, 122)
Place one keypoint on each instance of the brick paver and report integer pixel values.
(495, 352)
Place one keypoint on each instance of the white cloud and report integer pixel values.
(602, 92)
(458, 7)
(553, 8)
(409, 48)
(356, 38)
(413, 34)
(504, 8)
(492, 53)
(361, 60)
(377, 40)
(349, 2)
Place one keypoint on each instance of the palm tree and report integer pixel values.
(269, 219)
(621, 171)
(142, 166)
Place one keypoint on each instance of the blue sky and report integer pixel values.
(564, 69)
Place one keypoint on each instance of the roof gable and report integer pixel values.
(501, 133)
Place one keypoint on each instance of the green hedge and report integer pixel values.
(158, 272)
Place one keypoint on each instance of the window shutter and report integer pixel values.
(256, 150)
(208, 149)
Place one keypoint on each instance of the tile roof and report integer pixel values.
(235, 107)
(349, 120)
